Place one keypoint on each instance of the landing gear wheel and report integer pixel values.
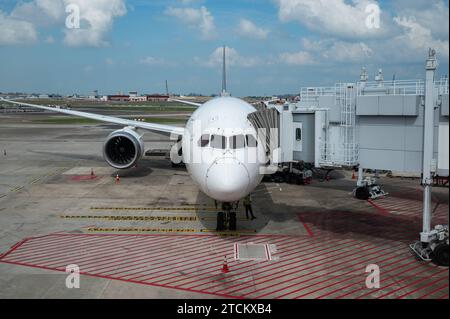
(289, 179)
(232, 225)
(441, 255)
(362, 193)
(220, 221)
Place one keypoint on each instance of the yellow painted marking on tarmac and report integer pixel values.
(34, 181)
(134, 218)
(143, 230)
(50, 174)
(143, 218)
(206, 209)
(168, 230)
(16, 189)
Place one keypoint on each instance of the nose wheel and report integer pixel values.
(226, 220)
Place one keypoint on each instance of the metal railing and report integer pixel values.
(396, 87)
(311, 94)
(339, 155)
(442, 85)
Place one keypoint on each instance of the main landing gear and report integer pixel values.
(226, 219)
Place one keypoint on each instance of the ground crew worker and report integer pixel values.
(248, 206)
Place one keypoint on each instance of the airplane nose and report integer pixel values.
(227, 180)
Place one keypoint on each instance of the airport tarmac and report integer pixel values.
(151, 235)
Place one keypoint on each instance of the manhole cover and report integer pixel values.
(251, 251)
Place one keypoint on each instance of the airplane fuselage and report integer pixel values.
(221, 149)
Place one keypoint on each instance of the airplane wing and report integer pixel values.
(185, 102)
(165, 129)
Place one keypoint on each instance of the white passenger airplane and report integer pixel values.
(219, 145)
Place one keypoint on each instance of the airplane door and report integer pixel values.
(298, 136)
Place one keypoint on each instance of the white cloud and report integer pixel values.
(348, 52)
(407, 30)
(335, 17)
(233, 59)
(433, 15)
(189, 1)
(248, 29)
(417, 39)
(297, 58)
(327, 51)
(96, 18)
(14, 31)
(153, 61)
(338, 51)
(198, 18)
(40, 12)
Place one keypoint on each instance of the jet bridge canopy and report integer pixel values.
(267, 123)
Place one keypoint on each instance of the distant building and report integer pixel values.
(94, 96)
(138, 98)
(119, 98)
(157, 97)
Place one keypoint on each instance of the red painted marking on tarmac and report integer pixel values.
(305, 225)
(13, 248)
(193, 262)
(433, 291)
(379, 208)
(422, 287)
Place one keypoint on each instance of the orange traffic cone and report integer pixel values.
(117, 178)
(353, 175)
(225, 265)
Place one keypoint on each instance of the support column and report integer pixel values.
(428, 143)
(359, 183)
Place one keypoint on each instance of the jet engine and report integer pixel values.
(123, 148)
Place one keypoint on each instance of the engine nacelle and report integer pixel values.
(123, 148)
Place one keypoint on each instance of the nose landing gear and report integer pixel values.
(226, 219)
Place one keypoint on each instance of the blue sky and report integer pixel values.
(274, 46)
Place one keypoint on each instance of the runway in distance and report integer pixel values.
(220, 147)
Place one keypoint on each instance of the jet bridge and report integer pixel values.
(399, 125)
(376, 125)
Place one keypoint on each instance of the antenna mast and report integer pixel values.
(224, 74)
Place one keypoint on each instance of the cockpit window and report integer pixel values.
(218, 142)
(204, 140)
(251, 141)
(237, 142)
